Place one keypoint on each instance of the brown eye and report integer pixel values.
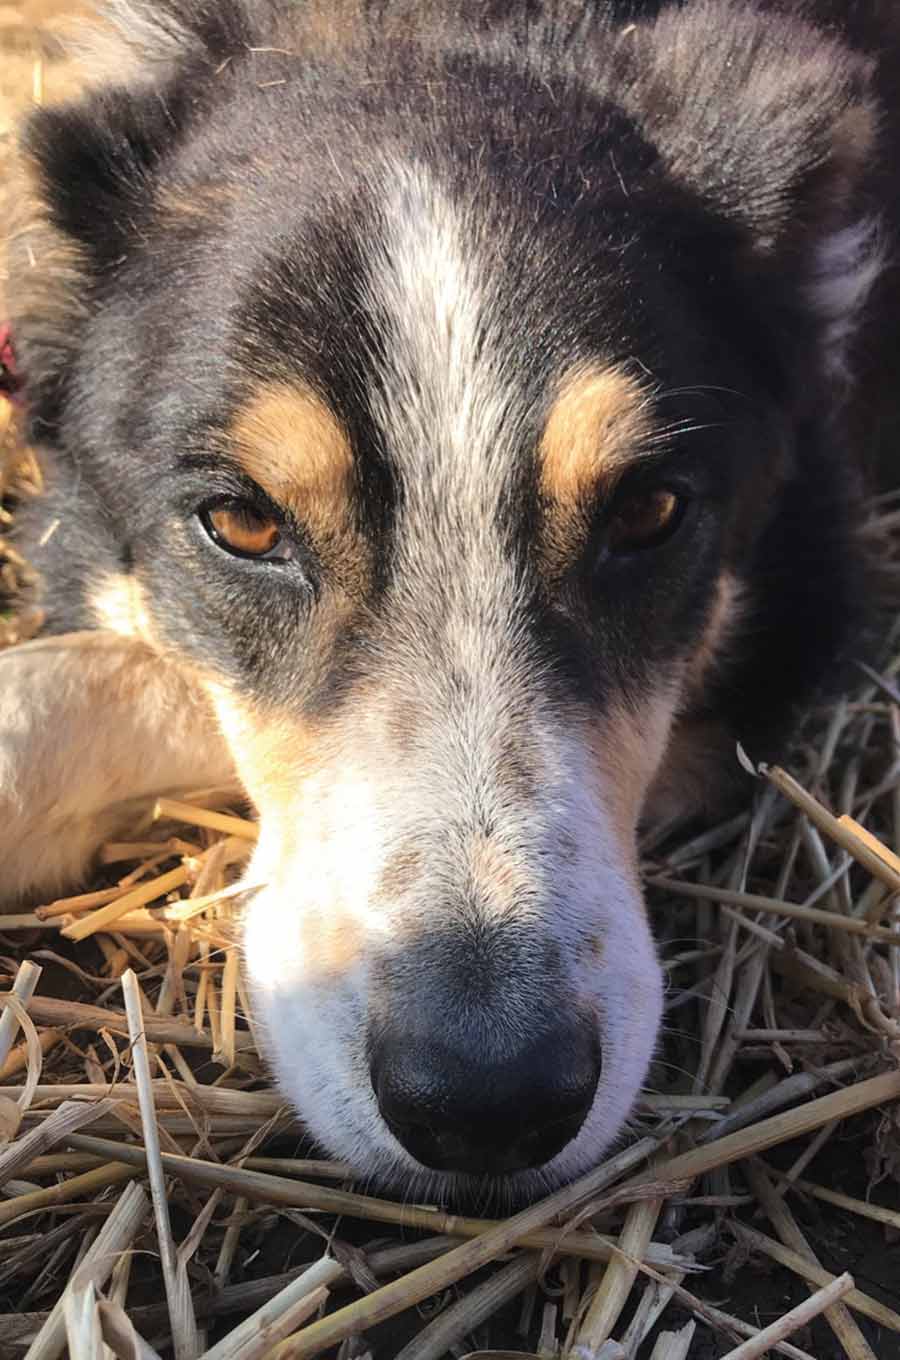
(644, 519)
(240, 528)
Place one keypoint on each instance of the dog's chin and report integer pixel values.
(498, 1195)
(483, 1196)
(492, 1196)
(480, 1196)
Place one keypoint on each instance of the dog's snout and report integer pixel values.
(486, 1112)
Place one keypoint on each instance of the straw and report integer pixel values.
(178, 1295)
(119, 1333)
(198, 816)
(116, 1235)
(469, 1312)
(840, 1320)
(23, 989)
(808, 1270)
(82, 1324)
(255, 1337)
(76, 1015)
(620, 1274)
(273, 1190)
(817, 1303)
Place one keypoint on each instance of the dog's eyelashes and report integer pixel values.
(244, 530)
(644, 519)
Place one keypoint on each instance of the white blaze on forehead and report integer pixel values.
(445, 402)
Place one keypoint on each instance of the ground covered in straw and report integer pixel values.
(158, 1197)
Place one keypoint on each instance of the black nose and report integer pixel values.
(488, 1111)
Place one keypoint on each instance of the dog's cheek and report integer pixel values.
(615, 968)
(626, 746)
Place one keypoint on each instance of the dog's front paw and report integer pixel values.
(88, 724)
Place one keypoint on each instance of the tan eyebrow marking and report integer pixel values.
(289, 441)
(595, 425)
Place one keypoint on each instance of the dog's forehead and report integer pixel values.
(456, 404)
(433, 354)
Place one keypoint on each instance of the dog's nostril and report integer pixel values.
(486, 1113)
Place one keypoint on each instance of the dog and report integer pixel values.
(454, 420)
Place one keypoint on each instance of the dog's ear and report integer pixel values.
(86, 171)
(149, 67)
(773, 124)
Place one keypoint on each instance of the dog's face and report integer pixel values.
(437, 421)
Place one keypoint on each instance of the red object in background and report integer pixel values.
(10, 378)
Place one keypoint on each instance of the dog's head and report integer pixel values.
(437, 390)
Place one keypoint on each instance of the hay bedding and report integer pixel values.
(155, 1195)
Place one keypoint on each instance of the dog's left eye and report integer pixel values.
(644, 519)
(244, 530)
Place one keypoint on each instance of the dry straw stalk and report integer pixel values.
(178, 1293)
(817, 1303)
(116, 1235)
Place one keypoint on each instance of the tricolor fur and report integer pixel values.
(445, 292)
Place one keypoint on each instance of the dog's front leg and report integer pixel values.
(89, 722)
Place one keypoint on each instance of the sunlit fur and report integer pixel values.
(452, 706)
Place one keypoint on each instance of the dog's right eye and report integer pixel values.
(244, 530)
(645, 519)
